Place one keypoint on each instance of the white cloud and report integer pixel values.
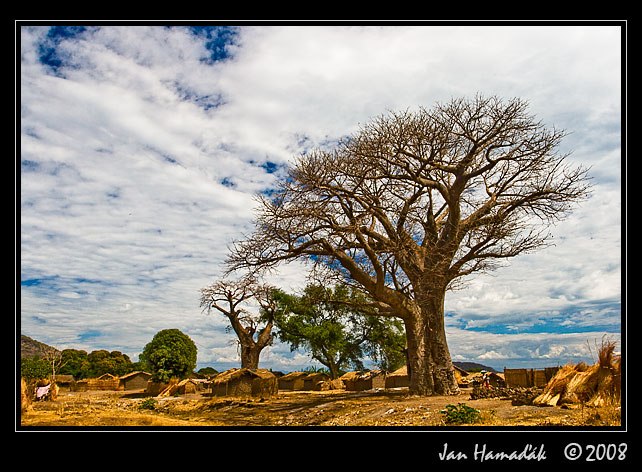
(140, 157)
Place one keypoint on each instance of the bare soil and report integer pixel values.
(385, 408)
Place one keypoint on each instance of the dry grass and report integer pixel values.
(305, 408)
(582, 385)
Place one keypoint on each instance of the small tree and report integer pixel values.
(170, 354)
(253, 330)
(338, 327)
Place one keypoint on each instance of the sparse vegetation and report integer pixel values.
(148, 404)
(461, 414)
(329, 408)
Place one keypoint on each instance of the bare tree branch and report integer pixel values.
(414, 202)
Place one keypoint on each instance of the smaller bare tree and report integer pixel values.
(253, 330)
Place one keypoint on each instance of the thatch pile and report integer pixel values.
(582, 384)
(25, 398)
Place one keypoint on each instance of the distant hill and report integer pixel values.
(30, 348)
(473, 365)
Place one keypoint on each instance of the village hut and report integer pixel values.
(134, 380)
(529, 377)
(398, 378)
(245, 383)
(496, 380)
(65, 382)
(200, 384)
(581, 384)
(313, 381)
(104, 382)
(154, 388)
(186, 386)
(332, 384)
(349, 379)
(292, 381)
(364, 380)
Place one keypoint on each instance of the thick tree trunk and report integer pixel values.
(250, 357)
(430, 367)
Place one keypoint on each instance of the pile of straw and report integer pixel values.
(586, 385)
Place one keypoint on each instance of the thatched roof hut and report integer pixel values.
(349, 379)
(245, 383)
(398, 378)
(292, 381)
(314, 380)
(364, 380)
(65, 382)
(336, 384)
(134, 380)
(186, 386)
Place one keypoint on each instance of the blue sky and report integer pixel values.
(141, 148)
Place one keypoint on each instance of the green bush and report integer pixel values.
(147, 404)
(461, 414)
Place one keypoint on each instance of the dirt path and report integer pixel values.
(387, 408)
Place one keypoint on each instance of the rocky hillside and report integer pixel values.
(30, 347)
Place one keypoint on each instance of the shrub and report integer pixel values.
(147, 404)
(461, 414)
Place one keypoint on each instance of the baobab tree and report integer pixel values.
(413, 203)
(230, 297)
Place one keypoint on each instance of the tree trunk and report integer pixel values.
(430, 367)
(250, 357)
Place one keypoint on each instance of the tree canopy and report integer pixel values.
(338, 327)
(413, 203)
(170, 354)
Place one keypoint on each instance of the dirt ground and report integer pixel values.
(385, 408)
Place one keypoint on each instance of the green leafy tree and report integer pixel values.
(105, 362)
(34, 368)
(170, 353)
(75, 363)
(82, 365)
(338, 327)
